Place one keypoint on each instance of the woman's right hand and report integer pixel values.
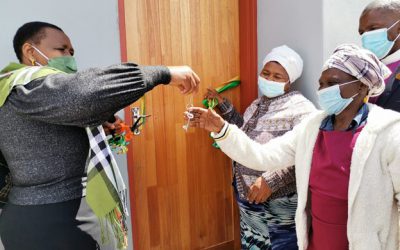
(205, 118)
(212, 93)
(184, 78)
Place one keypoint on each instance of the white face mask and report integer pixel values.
(270, 88)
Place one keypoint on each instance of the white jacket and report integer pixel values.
(374, 188)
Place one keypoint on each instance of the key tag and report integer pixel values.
(188, 114)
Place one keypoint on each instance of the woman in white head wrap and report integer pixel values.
(267, 200)
(347, 157)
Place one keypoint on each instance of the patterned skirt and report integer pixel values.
(270, 225)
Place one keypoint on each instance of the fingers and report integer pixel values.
(253, 192)
(109, 126)
(260, 191)
(211, 93)
(185, 79)
(196, 81)
(193, 85)
(261, 197)
(197, 110)
(194, 122)
(257, 195)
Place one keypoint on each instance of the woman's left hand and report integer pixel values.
(110, 126)
(259, 192)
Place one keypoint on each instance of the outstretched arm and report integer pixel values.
(277, 154)
(91, 97)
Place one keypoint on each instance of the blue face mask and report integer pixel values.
(270, 88)
(331, 101)
(377, 41)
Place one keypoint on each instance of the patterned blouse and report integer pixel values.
(265, 119)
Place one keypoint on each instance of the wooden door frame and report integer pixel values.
(248, 52)
(248, 70)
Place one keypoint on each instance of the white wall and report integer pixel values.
(341, 23)
(311, 27)
(92, 26)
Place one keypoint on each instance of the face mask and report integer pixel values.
(65, 64)
(331, 101)
(377, 41)
(270, 88)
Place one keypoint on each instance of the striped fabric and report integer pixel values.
(106, 193)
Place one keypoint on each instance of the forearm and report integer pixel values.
(86, 98)
(229, 113)
(277, 154)
(279, 179)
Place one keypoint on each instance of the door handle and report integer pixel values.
(137, 120)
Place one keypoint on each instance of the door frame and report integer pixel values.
(248, 69)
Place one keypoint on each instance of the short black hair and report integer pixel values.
(32, 31)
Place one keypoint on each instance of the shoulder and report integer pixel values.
(310, 122)
(253, 105)
(299, 99)
(255, 102)
(380, 119)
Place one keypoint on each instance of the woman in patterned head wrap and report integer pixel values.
(267, 200)
(347, 157)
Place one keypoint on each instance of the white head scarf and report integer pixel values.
(288, 59)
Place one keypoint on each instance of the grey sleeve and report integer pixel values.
(229, 113)
(87, 98)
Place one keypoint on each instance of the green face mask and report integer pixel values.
(65, 64)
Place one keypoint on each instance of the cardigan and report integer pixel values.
(374, 186)
(265, 119)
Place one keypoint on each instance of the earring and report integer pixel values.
(33, 62)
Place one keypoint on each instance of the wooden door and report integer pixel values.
(181, 194)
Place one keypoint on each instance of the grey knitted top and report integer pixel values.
(42, 127)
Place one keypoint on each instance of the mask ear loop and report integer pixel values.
(398, 35)
(394, 24)
(351, 97)
(34, 62)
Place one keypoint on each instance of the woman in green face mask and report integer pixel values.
(63, 197)
(54, 50)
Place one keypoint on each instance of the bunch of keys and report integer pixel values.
(188, 114)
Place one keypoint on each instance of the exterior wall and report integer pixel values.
(312, 28)
(341, 23)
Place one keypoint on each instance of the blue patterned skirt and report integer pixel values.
(270, 225)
